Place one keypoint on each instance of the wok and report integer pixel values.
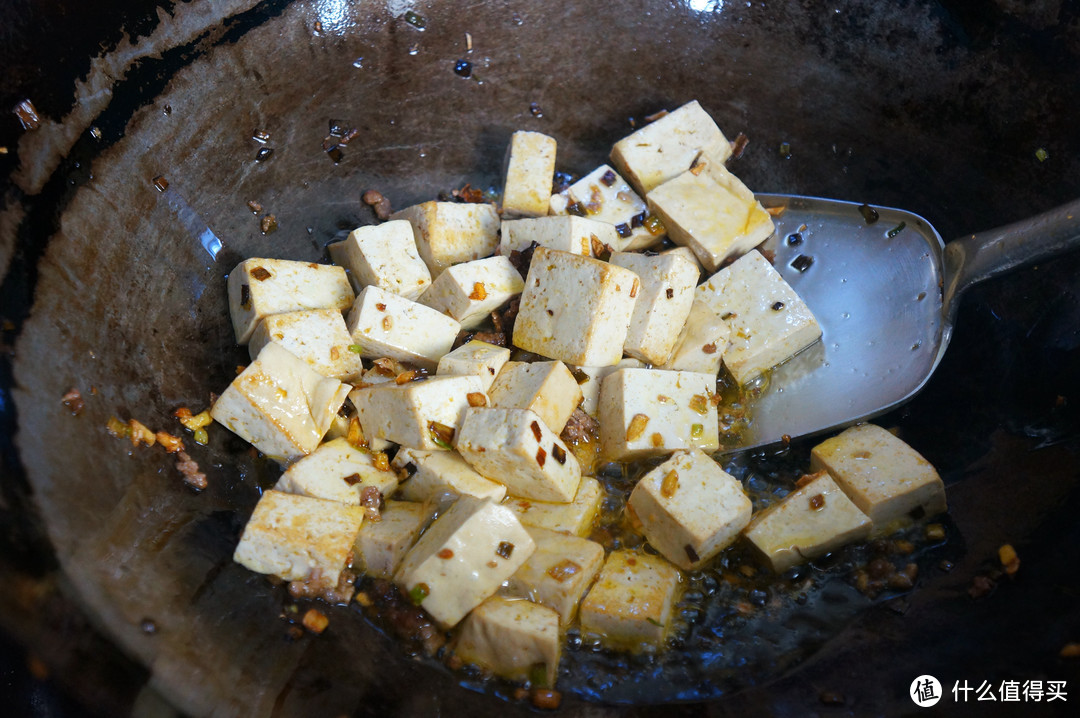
(121, 577)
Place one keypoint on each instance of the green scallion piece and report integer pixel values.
(415, 19)
(1042, 155)
(355, 348)
(896, 230)
(418, 593)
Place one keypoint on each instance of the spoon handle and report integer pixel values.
(972, 259)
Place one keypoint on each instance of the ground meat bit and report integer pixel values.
(496, 338)
(409, 623)
(503, 321)
(546, 698)
(468, 194)
(73, 401)
(580, 427)
(522, 259)
(190, 470)
(981, 586)
(379, 203)
(372, 501)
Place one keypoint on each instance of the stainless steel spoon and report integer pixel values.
(885, 293)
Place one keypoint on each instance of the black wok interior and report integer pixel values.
(122, 585)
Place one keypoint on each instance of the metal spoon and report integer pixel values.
(886, 294)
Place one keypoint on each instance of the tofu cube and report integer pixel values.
(566, 233)
(384, 324)
(631, 605)
(809, 522)
(575, 309)
(559, 572)
(574, 518)
(769, 322)
(651, 412)
(463, 558)
(604, 196)
(337, 471)
(471, 291)
(261, 287)
(689, 508)
(299, 538)
(474, 358)
(381, 545)
(703, 339)
(318, 336)
(590, 377)
(716, 223)
(663, 303)
(447, 233)
(516, 448)
(418, 414)
(887, 479)
(667, 147)
(383, 255)
(280, 405)
(530, 167)
(439, 478)
(545, 387)
(514, 639)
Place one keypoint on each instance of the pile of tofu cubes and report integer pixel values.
(454, 482)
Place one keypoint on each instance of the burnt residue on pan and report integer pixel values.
(964, 116)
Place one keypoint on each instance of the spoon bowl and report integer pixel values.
(885, 288)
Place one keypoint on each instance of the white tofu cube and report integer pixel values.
(318, 336)
(769, 322)
(631, 605)
(383, 255)
(710, 219)
(589, 379)
(439, 478)
(663, 303)
(667, 147)
(261, 287)
(470, 291)
(545, 387)
(703, 339)
(809, 522)
(566, 233)
(559, 572)
(604, 196)
(381, 545)
(530, 168)
(387, 325)
(447, 233)
(280, 405)
(516, 448)
(575, 517)
(887, 479)
(514, 639)
(337, 471)
(463, 558)
(418, 414)
(650, 412)
(299, 538)
(475, 358)
(689, 508)
(575, 309)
